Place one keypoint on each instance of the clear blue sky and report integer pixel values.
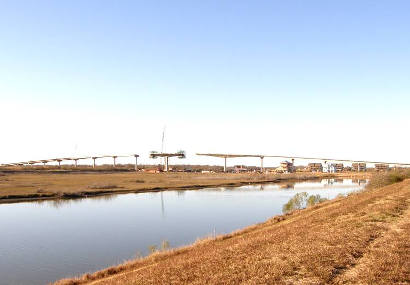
(229, 61)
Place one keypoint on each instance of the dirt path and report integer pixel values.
(387, 260)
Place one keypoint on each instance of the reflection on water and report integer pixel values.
(162, 204)
(52, 239)
(359, 181)
(58, 203)
(287, 186)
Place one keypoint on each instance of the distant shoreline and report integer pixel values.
(16, 187)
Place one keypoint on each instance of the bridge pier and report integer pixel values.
(225, 164)
(166, 164)
(114, 162)
(166, 156)
(94, 158)
(136, 161)
(262, 163)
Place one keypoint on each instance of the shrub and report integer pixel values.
(314, 199)
(386, 178)
(152, 248)
(302, 200)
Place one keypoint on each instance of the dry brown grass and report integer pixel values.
(380, 179)
(359, 239)
(387, 260)
(17, 186)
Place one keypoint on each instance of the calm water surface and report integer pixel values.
(44, 241)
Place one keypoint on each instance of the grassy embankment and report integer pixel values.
(359, 239)
(19, 186)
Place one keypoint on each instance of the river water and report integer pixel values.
(45, 241)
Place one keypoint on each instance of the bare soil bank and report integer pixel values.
(359, 239)
(24, 186)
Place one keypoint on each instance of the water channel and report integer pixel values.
(45, 241)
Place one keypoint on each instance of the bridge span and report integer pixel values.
(225, 156)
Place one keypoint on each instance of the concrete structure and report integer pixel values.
(154, 155)
(240, 168)
(315, 167)
(74, 159)
(94, 158)
(359, 166)
(332, 167)
(136, 161)
(381, 167)
(338, 167)
(327, 168)
(114, 157)
(347, 168)
(32, 162)
(286, 167)
(225, 156)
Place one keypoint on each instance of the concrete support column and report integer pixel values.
(225, 164)
(94, 158)
(114, 158)
(136, 162)
(59, 163)
(166, 164)
(75, 162)
(262, 164)
(44, 164)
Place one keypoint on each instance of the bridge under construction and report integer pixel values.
(73, 159)
(153, 155)
(181, 154)
(225, 156)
